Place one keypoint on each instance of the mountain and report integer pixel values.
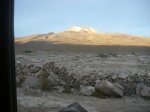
(86, 36)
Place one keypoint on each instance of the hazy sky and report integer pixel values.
(43, 16)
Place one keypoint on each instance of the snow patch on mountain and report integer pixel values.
(83, 29)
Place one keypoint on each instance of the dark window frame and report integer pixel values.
(7, 60)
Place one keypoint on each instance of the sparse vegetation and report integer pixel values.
(146, 98)
(67, 89)
(45, 83)
(21, 78)
(78, 87)
(98, 94)
(28, 51)
(102, 55)
(146, 67)
(133, 53)
(113, 54)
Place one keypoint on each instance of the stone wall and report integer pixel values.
(60, 76)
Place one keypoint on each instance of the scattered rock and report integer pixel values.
(75, 107)
(60, 89)
(119, 86)
(18, 62)
(109, 89)
(145, 92)
(122, 76)
(114, 77)
(60, 76)
(139, 88)
(32, 82)
(75, 91)
(87, 90)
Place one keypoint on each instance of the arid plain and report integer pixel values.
(89, 56)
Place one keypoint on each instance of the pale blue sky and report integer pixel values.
(43, 16)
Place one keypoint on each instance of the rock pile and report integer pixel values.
(118, 84)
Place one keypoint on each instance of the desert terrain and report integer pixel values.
(81, 59)
(84, 64)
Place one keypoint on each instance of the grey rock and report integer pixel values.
(129, 79)
(75, 107)
(35, 69)
(97, 83)
(18, 62)
(139, 79)
(29, 74)
(122, 76)
(139, 88)
(75, 91)
(25, 71)
(148, 74)
(114, 77)
(145, 92)
(60, 89)
(87, 90)
(17, 80)
(119, 86)
(54, 79)
(109, 89)
(32, 82)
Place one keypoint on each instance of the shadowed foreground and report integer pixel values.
(46, 46)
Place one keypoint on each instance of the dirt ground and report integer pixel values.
(53, 102)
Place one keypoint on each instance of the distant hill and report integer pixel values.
(86, 36)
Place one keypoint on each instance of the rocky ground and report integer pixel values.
(54, 102)
(130, 72)
(85, 63)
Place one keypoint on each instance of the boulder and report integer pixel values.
(32, 82)
(110, 89)
(142, 90)
(87, 90)
(74, 107)
(145, 92)
(139, 88)
(119, 86)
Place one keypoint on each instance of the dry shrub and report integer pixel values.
(44, 82)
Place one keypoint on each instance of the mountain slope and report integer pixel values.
(87, 36)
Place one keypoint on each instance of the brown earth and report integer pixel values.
(87, 38)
